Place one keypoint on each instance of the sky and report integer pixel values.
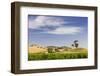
(49, 30)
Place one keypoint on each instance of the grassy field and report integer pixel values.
(72, 54)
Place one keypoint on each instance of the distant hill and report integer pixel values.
(36, 48)
(59, 47)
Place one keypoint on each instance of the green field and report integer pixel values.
(72, 54)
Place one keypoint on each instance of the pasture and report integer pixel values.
(77, 53)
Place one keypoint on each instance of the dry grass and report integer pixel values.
(36, 49)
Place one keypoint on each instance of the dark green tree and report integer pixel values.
(50, 50)
(57, 50)
(76, 43)
(72, 45)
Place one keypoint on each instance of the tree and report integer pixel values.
(76, 43)
(57, 50)
(72, 45)
(50, 50)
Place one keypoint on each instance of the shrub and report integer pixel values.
(57, 50)
(50, 50)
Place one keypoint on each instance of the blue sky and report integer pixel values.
(57, 30)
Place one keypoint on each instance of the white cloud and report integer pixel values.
(66, 30)
(42, 21)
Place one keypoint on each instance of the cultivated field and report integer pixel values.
(75, 53)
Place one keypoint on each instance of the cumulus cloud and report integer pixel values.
(65, 30)
(42, 21)
(53, 25)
